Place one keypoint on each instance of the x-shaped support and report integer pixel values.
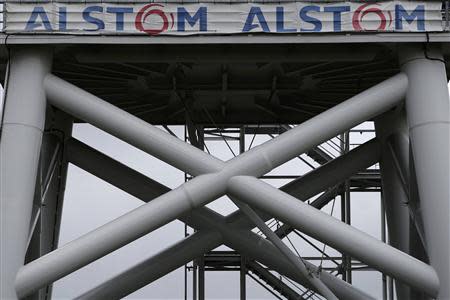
(215, 178)
(233, 230)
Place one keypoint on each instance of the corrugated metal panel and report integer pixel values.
(172, 18)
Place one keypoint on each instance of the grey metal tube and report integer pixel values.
(318, 203)
(242, 240)
(156, 266)
(129, 128)
(297, 262)
(370, 103)
(331, 231)
(20, 144)
(201, 189)
(255, 246)
(395, 199)
(428, 112)
(141, 187)
(118, 233)
(112, 171)
(255, 162)
(144, 188)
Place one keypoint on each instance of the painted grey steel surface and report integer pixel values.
(193, 194)
(141, 187)
(428, 110)
(392, 128)
(423, 84)
(333, 232)
(232, 39)
(297, 262)
(21, 136)
(156, 266)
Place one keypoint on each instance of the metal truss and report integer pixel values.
(419, 176)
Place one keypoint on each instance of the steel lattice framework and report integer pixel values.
(405, 93)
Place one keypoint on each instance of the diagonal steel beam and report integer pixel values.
(258, 160)
(141, 187)
(318, 203)
(331, 231)
(200, 190)
(156, 266)
(244, 241)
(300, 267)
(146, 189)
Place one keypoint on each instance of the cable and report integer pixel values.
(220, 130)
(325, 245)
(253, 138)
(425, 50)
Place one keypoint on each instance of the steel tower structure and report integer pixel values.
(228, 86)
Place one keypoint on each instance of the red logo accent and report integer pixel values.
(147, 11)
(363, 10)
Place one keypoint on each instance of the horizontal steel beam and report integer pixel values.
(232, 54)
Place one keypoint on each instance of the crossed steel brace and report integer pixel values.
(214, 178)
(237, 178)
(234, 228)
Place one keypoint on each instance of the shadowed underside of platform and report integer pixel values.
(232, 84)
(226, 84)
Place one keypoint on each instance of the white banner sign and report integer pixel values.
(220, 18)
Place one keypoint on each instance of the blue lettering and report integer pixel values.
(255, 11)
(200, 16)
(38, 12)
(280, 21)
(337, 11)
(63, 18)
(88, 18)
(418, 13)
(304, 16)
(120, 15)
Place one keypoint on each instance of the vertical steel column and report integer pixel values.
(243, 270)
(428, 113)
(242, 140)
(21, 137)
(197, 139)
(392, 128)
(201, 279)
(243, 273)
(194, 280)
(348, 211)
(383, 239)
(343, 266)
(50, 186)
(417, 247)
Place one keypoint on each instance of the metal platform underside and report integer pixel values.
(225, 84)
